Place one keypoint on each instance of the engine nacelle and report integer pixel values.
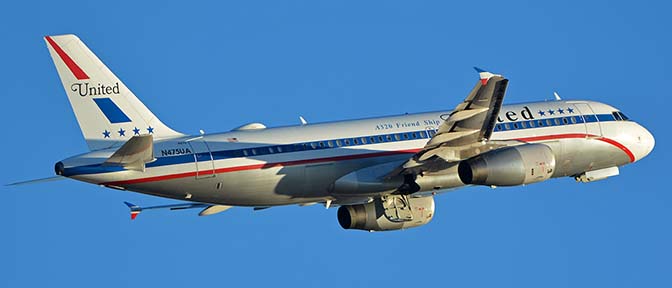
(392, 212)
(509, 166)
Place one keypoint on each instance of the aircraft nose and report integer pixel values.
(646, 142)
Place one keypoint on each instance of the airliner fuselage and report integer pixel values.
(301, 164)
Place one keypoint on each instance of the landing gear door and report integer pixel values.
(589, 119)
(205, 164)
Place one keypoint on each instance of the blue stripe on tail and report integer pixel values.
(111, 110)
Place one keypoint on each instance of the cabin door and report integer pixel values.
(205, 163)
(589, 119)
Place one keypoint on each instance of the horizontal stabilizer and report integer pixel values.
(134, 153)
(35, 181)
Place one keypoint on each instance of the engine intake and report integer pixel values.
(509, 166)
(387, 213)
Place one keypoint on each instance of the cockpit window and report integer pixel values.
(616, 116)
(625, 118)
(619, 116)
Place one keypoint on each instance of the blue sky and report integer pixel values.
(217, 66)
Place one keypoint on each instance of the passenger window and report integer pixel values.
(270, 150)
(397, 137)
(541, 123)
(364, 140)
(321, 144)
(506, 126)
(523, 125)
(565, 121)
(573, 119)
(373, 139)
(531, 124)
(313, 145)
(515, 126)
(557, 121)
(380, 139)
(388, 138)
(330, 143)
(254, 151)
(245, 153)
(405, 136)
(339, 143)
(347, 142)
(548, 122)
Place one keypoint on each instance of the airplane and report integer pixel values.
(381, 172)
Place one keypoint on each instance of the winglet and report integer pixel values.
(485, 75)
(135, 209)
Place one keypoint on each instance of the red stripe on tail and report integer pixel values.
(74, 68)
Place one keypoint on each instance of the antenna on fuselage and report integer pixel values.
(201, 131)
(557, 97)
(303, 121)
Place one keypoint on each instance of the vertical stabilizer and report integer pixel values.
(108, 113)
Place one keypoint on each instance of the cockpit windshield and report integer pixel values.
(619, 116)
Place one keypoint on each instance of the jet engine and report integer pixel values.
(509, 166)
(391, 212)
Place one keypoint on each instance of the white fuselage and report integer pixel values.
(300, 164)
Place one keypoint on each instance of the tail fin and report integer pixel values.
(108, 112)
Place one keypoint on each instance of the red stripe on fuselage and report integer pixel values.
(578, 135)
(620, 146)
(74, 68)
(351, 157)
